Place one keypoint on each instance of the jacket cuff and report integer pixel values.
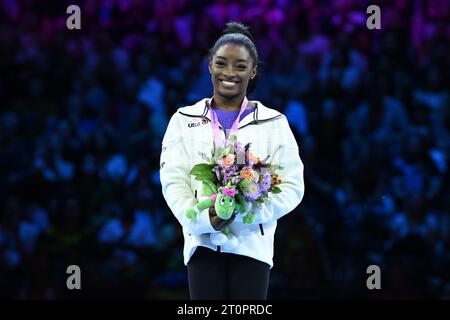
(201, 224)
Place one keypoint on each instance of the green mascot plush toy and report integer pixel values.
(225, 200)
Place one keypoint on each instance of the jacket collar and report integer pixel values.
(261, 112)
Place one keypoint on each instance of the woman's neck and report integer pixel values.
(227, 104)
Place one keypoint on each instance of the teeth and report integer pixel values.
(228, 83)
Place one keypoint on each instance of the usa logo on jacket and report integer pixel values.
(195, 123)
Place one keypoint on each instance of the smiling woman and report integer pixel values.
(217, 270)
(231, 70)
(233, 66)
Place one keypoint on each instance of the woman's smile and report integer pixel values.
(228, 84)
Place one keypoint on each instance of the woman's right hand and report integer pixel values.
(217, 222)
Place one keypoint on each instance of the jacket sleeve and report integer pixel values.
(175, 180)
(292, 185)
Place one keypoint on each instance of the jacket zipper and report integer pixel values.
(195, 195)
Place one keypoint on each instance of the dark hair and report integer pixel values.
(238, 33)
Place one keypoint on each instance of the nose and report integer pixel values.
(228, 72)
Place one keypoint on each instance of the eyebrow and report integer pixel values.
(239, 60)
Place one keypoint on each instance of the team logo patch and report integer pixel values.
(196, 123)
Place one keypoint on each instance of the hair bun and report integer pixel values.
(236, 27)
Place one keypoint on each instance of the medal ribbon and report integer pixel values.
(215, 123)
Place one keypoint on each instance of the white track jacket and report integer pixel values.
(189, 132)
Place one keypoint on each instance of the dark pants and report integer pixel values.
(219, 276)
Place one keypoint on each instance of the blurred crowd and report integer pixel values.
(84, 112)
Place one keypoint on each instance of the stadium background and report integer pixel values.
(83, 113)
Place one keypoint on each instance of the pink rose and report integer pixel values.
(249, 174)
(228, 161)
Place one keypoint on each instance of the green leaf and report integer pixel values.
(218, 153)
(226, 151)
(245, 183)
(202, 177)
(276, 190)
(202, 171)
(260, 201)
(201, 168)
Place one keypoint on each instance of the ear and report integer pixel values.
(209, 66)
(219, 190)
(254, 72)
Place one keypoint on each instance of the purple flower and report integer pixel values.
(265, 182)
(252, 192)
(228, 173)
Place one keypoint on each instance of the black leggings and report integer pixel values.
(218, 276)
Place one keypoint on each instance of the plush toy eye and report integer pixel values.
(231, 201)
(222, 201)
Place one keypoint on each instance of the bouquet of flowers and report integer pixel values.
(235, 171)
